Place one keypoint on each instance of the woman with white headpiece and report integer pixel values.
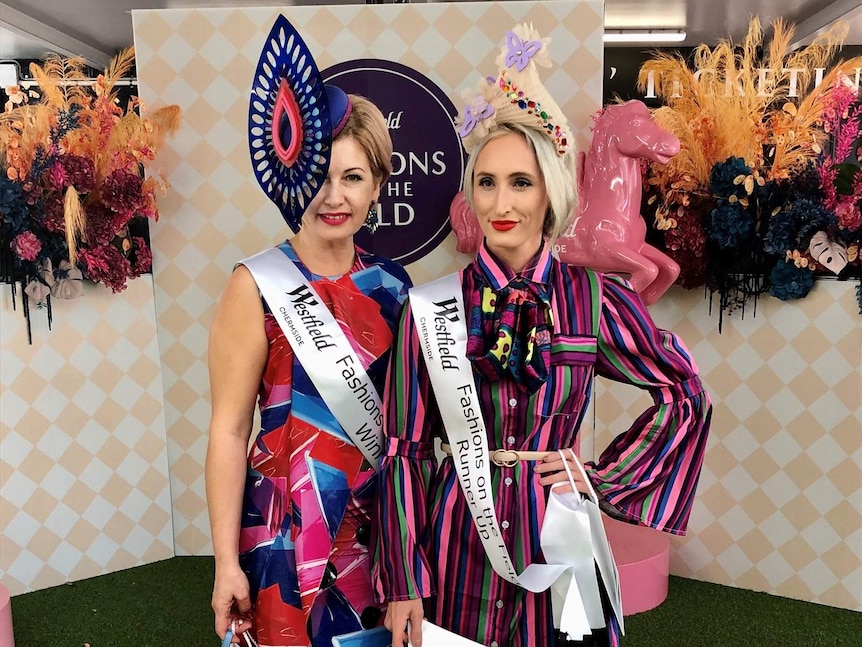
(497, 361)
(305, 328)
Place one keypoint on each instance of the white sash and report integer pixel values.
(572, 535)
(438, 310)
(323, 350)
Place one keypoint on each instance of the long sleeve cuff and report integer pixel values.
(649, 474)
(401, 569)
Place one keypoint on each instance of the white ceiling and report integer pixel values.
(96, 29)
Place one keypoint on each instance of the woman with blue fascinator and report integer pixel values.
(304, 328)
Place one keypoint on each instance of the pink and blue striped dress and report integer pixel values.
(536, 341)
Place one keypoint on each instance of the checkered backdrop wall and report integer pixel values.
(779, 503)
(83, 457)
(216, 214)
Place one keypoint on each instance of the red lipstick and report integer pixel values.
(503, 225)
(334, 219)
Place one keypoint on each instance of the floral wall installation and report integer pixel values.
(73, 183)
(766, 191)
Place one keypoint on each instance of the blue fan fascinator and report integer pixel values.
(292, 119)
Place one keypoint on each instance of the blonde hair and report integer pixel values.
(558, 173)
(367, 126)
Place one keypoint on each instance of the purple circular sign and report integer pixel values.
(427, 162)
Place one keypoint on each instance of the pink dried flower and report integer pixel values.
(26, 246)
(59, 177)
(32, 193)
(143, 262)
(103, 225)
(686, 244)
(53, 219)
(80, 172)
(689, 233)
(106, 264)
(121, 191)
(847, 207)
(836, 101)
(846, 133)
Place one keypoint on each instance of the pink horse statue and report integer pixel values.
(607, 233)
(465, 225)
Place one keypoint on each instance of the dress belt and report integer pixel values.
(504, 457)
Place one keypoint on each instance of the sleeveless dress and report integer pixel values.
(306, 514)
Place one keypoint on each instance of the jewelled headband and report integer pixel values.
(516, 95)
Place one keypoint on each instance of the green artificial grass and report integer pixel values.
(167, 605)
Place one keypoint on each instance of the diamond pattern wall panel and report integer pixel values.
(83, 456)
(779, 504)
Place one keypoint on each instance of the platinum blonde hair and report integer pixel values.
(558, 173)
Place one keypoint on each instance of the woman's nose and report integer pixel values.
(504, 202)
(332, 193)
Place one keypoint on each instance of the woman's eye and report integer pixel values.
(353, 177)
(486, 182)
(522, 183)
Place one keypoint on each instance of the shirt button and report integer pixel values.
(510, 440)
(508, 481)
(499, 604)
(504, 525)
(513, 402)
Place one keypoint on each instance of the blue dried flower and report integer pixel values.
(789, 281)
(772, 196)
(811, 216)
(806, 183)
(723, 174)
(730, 225)
(12, 208)
(781, 234)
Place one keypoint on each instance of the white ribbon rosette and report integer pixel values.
(573, 541)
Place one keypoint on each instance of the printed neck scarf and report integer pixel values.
(520, 344)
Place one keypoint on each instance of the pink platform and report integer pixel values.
(6, 637)
(643, 560)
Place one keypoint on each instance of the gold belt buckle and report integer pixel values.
(504, 457)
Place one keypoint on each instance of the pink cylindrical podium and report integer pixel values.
(643, 561)
(7, 639)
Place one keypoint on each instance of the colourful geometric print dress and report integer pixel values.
(306, 517)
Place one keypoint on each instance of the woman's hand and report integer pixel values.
(230, 596)
(551, 470)
(398, 614)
